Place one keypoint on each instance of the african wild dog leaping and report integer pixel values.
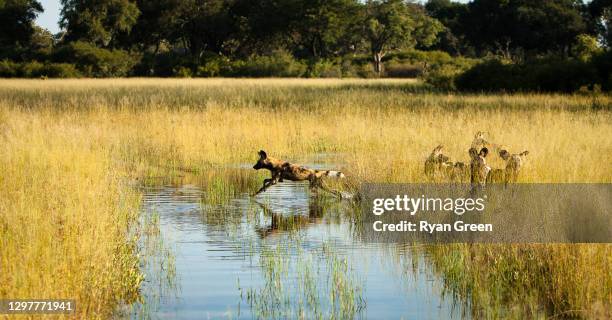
(282, 170)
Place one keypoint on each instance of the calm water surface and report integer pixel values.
(207, 259)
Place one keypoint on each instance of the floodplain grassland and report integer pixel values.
(71, 151)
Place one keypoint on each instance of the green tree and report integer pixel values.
(267, 25)
(203, 25)
(451, 15)
(324, 27)
(585, 47)
(157, 23)
(17, 25)
(395, 24)
(519, 27)
(100, 22)
(41, 42)
(601, 12)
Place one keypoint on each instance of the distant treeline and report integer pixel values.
(524, 44)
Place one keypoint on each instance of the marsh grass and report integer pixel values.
(296, 282)
(158, 264)
(535, 281)
(64, 216)
(69, 148)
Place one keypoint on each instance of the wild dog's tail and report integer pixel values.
(331, 173)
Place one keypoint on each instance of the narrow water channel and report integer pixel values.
(283, 254)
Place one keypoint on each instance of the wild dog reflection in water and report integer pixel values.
(288, 222)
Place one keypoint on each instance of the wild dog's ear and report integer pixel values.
(438, 149)
(262, 154)
(504, 154)
(524, 153)
(483, 152)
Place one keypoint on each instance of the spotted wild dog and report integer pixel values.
(281, 170)
(459, 172)
(514, 163)
(479, 141)
(436, 164)
(478, 166)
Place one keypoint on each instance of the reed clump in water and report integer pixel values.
(329, 292)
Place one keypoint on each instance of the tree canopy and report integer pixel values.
(166, 37)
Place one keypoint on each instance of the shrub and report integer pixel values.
(32, 69)
(279, 64)
(35, 69)
(182, 72)
(585, 47)
(9, 69)
(365, 71)
(213, 67)
(602, 62)
(325, 69)
(414, 56)
(60, 70)
(395, 69)
(541, 75)
(443, 77)
(443, 74)
(96, 62)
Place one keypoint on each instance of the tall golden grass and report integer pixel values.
(69, 150)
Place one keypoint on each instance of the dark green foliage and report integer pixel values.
(325, 69)
(394, 24)
(16, 21)
(35, 69)
(17, 27)
(518, 27)
(96, 62)
(541, 75)
(9, 69)
(601, 15)
(603, 65)
(60, 70)
(451, 15)
(99, 22)
(279, 64)
(547, 45)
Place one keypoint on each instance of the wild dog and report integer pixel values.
(478, 166)
(514, 163)
(281, 170)
(459, 172)
(496, 176)
(479, 141)
(436, 163)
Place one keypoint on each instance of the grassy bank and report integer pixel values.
(70, 148)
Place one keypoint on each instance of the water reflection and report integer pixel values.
(284, 254)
